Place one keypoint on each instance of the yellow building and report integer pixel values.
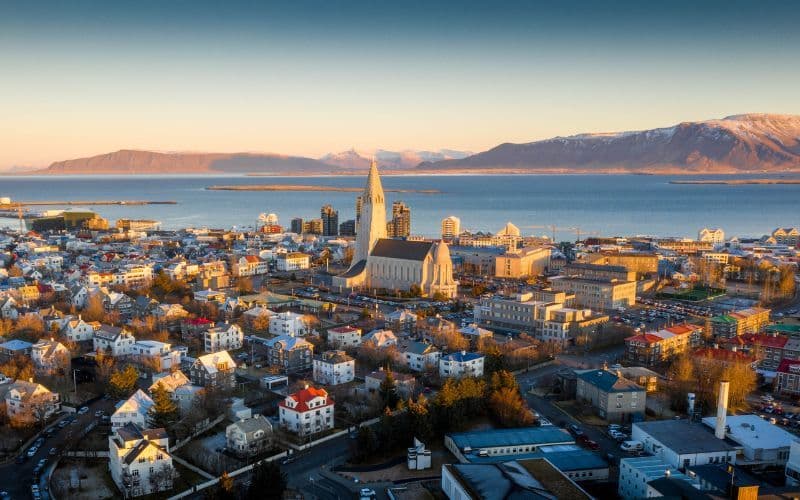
(522, 263)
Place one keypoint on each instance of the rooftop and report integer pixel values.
(684, 437)
(609, 381)
(401, 249)
(752, 431)
(511, 437)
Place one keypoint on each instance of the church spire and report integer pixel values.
(373, 192)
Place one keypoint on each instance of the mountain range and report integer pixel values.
(746, 143)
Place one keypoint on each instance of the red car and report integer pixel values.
(592, 445)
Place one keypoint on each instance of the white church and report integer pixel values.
(383, 263)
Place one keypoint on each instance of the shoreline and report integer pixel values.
(737, 182)
(298, 187)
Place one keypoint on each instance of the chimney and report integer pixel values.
(722, 409)
(691, 398)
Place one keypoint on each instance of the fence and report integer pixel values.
(210, 425)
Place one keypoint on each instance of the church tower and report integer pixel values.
(372, 224)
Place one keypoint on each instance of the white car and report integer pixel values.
(367, 494)
(631, 446)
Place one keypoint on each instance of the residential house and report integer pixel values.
(343, 337)
(156, 356)
(380, 338)
(461, 364)
(8, 308)
(215, 371)
(114, 302)
(50, 357)
(134, 410)
(401, 320)
(29, 403)
(249, 265)
(289, 323)
(334, 368)
(787, 378)
(178, 386)
(290, 354)
(249, 437)
(113, 340)
(421, 356)
(308, 411)
(223, 337)
(139, 461)
(403, 382)
(615, 398)
(15, 347)
(78, 330)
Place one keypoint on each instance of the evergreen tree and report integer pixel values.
(164, 411)
(123, 382)
(388, 391)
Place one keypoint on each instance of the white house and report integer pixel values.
(78, 330)
(289, 323)
(29, 402)
(134, 410)
(293, 261)
(461, 364)
(223, 337)
(249, 437)
(308, 411)
(420, 356)
(50, 357)
(139, 461)
(343, 337)
(380, 338)
(8, 308)
(113, 340)
(157, 355)
(333, 368)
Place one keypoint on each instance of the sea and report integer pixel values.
(607, 205)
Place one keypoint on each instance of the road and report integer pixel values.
(17, 479)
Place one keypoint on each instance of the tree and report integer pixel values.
(267, 482)
(509, 409)
(19, 367)
(123, 382)
(366, 443)
(95, 308)
(388, 390)
(164, 411)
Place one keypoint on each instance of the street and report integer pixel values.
(17, 479)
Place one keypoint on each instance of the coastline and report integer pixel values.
(737, 182)
(298, 187)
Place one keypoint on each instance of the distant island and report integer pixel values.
(300, 187)
(739, 182)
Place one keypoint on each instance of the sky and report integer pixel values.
(79, 78)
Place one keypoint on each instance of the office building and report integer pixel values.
(451, 227)
(400, 225)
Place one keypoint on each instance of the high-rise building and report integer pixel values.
(359, 205)
(312, 226)
(347, 228)
(297, 225)
(400, 225)
(451, 227)
(330, 221)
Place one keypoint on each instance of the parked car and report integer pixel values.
(592, 445)
(631, 446)
(574, 430)
(32, 451)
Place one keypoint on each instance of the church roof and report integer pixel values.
(401, 249)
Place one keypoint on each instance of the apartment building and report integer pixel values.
(750, 320)
(652, 348)
(223, 337)
(597, 294)
(334, 368)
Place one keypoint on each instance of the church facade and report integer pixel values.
(390, 264)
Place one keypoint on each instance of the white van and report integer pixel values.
(631, 446)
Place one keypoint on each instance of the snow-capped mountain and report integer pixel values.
(739, 143)
(393, 160)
